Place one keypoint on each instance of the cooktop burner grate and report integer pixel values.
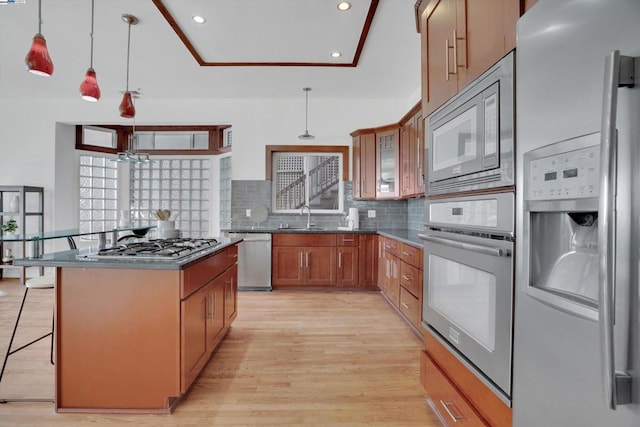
(158, 248)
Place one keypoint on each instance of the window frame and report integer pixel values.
(338, 150)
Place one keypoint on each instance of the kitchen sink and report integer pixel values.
(301, 228)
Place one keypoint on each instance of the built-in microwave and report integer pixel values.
(470, 139)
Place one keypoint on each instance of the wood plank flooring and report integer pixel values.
(291, 358)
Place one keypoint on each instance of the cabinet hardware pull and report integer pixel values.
(339, 260)
(455, 53)
(446, 59)
(405, 277)
(406, 253)
(405, 305)
(307, 257)
(446, 406)
(301, 254)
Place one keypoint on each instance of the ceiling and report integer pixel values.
(245, 49)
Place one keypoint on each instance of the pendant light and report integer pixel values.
(127, 110)
(131, 154)
(89, 89)
(306, 135)
(38, 60)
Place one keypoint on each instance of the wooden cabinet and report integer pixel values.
(368, 260)
(447, 380)
(444, 398)
(460, 40)
(388, 162)
(364, 164)
(348, 253)
(323, 259)
(304, 259)
(400, 278)
(137, 338)
(412, 154)
(230, 295)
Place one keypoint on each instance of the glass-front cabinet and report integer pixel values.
(388, 161)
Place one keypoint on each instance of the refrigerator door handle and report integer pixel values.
(618, 73)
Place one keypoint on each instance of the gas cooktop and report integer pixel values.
(158, 248)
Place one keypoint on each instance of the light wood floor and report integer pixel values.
(291, 358)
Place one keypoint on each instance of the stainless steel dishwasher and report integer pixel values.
(254, 261)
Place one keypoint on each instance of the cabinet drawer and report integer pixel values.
(444, 398)
(410, 306)
(304, 239)
(232, 255)
(411, 279)
(347, 239)
(193, 278)
(391, 246)
(411, 255)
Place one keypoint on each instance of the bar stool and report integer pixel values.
(41, 282)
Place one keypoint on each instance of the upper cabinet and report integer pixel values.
(460, 40)
(388, 162)
(364, 164)
(412, 172)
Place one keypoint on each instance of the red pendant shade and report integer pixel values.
(89, 87)
(38, 60)
(127, 110)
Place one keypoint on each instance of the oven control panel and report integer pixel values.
(566, 175)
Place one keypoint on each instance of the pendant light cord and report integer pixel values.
(39, 16)
(306, 112)
(128, 53)
(91, 34)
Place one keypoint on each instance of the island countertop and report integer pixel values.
(87, 258)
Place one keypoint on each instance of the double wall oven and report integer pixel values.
(469, 231)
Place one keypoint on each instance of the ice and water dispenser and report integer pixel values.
(560, 224)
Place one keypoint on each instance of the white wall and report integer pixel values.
(36, 150)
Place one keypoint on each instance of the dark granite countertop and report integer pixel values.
(86, 258)
(404, 235)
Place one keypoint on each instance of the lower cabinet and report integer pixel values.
(454, 393)
(323, 259)
(400, 278)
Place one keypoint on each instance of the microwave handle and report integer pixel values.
(485, 250)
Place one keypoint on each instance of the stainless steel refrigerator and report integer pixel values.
(577, 303)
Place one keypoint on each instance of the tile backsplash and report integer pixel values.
(389, 213)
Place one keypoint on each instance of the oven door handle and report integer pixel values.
(486, 250)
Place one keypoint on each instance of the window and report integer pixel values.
(98, 194)
(307, 178)
(225, 192)
(179, 185)
(173, 140)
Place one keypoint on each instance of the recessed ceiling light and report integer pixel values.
(199, 19)
(344, 6)
(336, 54)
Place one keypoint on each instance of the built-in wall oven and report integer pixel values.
(469, 140)
(468, 282)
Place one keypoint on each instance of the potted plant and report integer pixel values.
(10, 227)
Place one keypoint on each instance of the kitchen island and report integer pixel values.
(131, 335)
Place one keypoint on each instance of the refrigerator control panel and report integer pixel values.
(566, 175)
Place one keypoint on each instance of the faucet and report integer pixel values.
(308, 215)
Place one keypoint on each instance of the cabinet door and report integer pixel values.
(438, 78)
(215, 311)
(320, 266)
(356, 165)
(368, 260)
(393, 287)
(288, 263)
(388, 163)
(194, 336)
(488, 34)
(347, 272)
(368, 166)
(231, 295)
(420, 156)
(407, 161)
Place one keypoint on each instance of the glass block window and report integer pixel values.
(98, 194)
(178, 185)
(225, 192)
